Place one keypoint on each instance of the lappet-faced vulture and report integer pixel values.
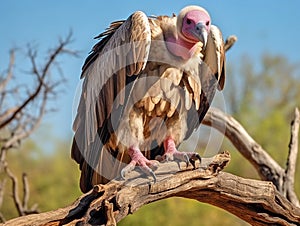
(147, 85)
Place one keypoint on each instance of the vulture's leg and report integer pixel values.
(172, 153)
(138, 159)
(176, 130)
(135, 140)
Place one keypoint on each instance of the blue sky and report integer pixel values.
(261, 26)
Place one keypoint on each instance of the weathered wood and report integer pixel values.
(266, 166)
(288, 185)
(125, 196)
(257, 202)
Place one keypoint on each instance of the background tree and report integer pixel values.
(22, 108)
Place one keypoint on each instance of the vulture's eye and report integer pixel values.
(188, 21)
(207, 23)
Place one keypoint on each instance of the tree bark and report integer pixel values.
(267, 168)
(256, 202)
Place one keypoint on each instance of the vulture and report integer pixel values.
(147, 84)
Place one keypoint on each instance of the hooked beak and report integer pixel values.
(201, 33)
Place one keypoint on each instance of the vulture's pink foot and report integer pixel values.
(172, 153)
(138, 159)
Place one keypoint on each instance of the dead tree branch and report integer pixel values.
(288, 185)
(266, 166)
(9, 74)
(257, 202)
(22, 207)
(2, 185)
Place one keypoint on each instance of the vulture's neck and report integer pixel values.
(182, 48)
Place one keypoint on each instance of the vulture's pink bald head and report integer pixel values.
(194, 24)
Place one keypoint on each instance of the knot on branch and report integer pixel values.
(219, 162)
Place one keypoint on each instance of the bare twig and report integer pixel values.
(9, 74)
(7, 113)
(15, 190)
(40, 75)
(22, 207)
(2, 218)
(25, 191)
(288, 185)
(2, 185)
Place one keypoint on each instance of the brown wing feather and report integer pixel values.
(212, 74)
(215, 55)
(122, 52)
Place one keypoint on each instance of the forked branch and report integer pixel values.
(21, 206)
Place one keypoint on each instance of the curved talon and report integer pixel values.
(172, 153)
(193, 158)
(147, 168)
(176, 155)
(127, 169)
(187, 160)
(193, 163)
(150, 172)
(123, 174)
